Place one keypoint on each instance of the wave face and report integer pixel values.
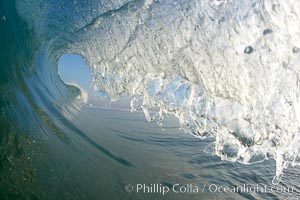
(226, 69)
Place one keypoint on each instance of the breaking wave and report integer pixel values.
(227, 69)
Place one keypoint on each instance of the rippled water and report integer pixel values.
(149, 155)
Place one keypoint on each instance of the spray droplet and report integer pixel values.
(248, 50)
(276, 180)
(267, 31)
(296, 50)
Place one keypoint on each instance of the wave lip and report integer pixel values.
(226, 69)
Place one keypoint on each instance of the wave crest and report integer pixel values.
(227, 69)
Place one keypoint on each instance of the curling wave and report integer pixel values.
(227, 69)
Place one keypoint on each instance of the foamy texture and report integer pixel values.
(226, 68)
(83, 97)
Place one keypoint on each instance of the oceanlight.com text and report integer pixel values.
(211, 188)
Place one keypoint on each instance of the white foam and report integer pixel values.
(83, 97)
(214, 66)
(227, 69)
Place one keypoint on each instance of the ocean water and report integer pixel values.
(129, 150)
(205, 99)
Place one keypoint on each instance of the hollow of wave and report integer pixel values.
(226, 69)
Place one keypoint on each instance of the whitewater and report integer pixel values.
(226, 69)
